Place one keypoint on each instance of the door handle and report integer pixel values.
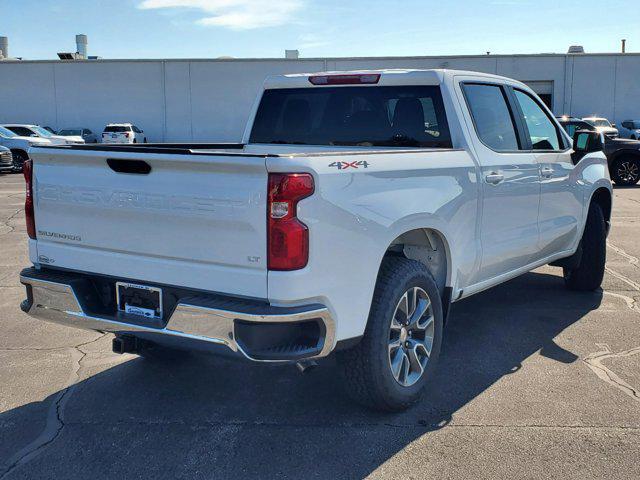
(547, 172)
(494, 178)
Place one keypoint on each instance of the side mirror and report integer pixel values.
(614, 125)
(584, 142)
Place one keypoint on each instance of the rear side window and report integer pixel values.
(22, 131)
(542, 131)
(116, 129)
(491, 116)
(404, 116)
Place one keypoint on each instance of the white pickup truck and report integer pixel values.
(359, 206)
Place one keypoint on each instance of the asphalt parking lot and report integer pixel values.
(534, 381)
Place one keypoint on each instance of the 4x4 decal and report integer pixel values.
(346, 165)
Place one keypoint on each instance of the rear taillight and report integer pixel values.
(27, 169)
(126, 134)
(288, 237)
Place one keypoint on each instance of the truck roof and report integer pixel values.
(386, 77)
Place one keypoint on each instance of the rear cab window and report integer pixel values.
(117, 129)
(380, 116)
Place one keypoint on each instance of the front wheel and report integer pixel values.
(390, 367)
(626, 172)
(588, 274)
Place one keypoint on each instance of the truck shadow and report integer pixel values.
(208, 417)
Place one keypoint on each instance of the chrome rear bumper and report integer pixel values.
(55, 300)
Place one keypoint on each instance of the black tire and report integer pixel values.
(366, 367)
(626, 171)
(145, 140)
(588, 275)
(19, 158)
(135, 141)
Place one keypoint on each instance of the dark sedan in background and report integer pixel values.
(623, 155)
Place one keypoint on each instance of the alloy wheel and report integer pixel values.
(628, 171)
(411, 336)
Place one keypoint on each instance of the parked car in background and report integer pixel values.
(434, 185)
(623, 155)
(603, 125)
(123, 133)
(630, 129)
(38, 131)
(6, 160)
(87, 135)
(19, 146)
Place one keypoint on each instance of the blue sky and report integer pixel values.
(37, 29)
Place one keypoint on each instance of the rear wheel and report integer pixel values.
(626, 171)
(588, 274)
(390, 367)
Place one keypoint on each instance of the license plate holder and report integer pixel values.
(140, 300)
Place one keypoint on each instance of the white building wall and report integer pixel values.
(210, 100)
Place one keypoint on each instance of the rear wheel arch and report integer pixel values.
(602, 197)
(19, 151)
(429, 247)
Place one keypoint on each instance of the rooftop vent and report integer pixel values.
(81, 46)
(576, 49)
(69, 56)
(4, 47)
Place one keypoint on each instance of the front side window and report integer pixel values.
(42, 132)
(493, 122)
(542, 131)
(69, 132)
(403, 116)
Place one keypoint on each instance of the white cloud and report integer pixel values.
(235, 14)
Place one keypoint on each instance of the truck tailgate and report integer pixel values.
(196, 221)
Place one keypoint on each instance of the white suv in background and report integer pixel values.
(123, 133)
(39, 132)
(630, 129)
(603, 126)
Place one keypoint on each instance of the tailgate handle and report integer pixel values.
(138, 167)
